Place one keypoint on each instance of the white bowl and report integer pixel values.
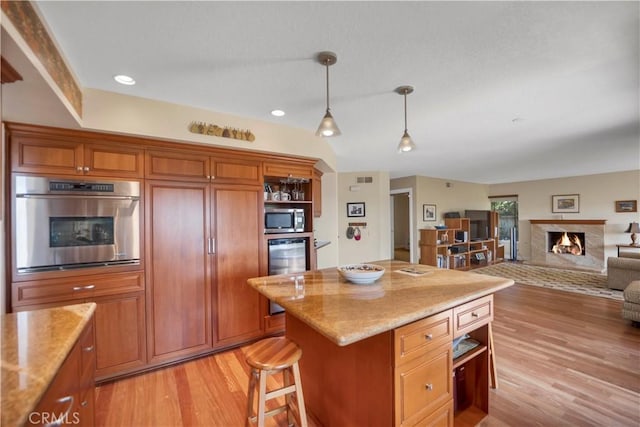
(361, 274)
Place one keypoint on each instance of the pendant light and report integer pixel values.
(406, 143)
(328, 126)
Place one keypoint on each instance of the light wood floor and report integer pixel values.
(563, 360)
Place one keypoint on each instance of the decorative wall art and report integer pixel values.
(626, 206)
(428, 212)
(355, 209)
(565, 203)
(224, 132)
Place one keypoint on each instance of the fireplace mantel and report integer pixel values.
(569, 221)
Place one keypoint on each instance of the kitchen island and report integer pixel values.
(39, 348)
(381, 354)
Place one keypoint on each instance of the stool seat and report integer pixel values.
(273, 354)
(268, 357)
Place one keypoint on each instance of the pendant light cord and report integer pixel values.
(326, 64)
(405, 111)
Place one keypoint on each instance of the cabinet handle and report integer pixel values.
(429, 387)
(428, 337)
(64, 417)
(84, 403)
(79, 168)
(213, 177)
(86, 168)
(474, 314)
(83, 288)
(89, 349)
(211, 246)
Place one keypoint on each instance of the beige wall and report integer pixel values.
(112, 112)
(325, 227)
(375, 243)
(598, 194)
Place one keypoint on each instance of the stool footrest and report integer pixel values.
(280, 392)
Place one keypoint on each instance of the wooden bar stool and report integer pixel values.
(267, 357)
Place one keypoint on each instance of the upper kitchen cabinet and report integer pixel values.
(316, 187)
(194, 166)
(37, 149)
(288, 169)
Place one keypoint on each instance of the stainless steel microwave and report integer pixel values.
(282, 220)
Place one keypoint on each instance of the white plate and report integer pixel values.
(361, 274)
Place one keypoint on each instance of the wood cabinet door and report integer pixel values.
(237, 227)
(45, 155)
(120, 334)
(113, 160)
(177, 166)
(178, 277)
(287, 170)
(235, 171)
(316, 187)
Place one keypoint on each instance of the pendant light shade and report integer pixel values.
(406, 143)
(328, 126)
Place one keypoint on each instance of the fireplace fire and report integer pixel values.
(566, 243)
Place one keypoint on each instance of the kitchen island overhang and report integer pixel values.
(345, 313)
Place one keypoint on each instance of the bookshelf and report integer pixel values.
(451, 248)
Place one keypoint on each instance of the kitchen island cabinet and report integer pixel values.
(48, 359)
(381, 354)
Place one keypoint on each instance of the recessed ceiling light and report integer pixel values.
(278, 113)
(124, 80)
(517, 120)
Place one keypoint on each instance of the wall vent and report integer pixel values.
(364, 180)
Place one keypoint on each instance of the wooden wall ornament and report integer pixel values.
(8, 74)
(224, 132)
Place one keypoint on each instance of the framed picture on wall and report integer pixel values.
(565, 203)
(355, 209)
(626, 206)
(428, 212)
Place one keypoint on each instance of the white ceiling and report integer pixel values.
(569, 71)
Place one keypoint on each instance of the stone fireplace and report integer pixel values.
(576, 244)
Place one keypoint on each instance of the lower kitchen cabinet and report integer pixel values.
(120, 334)
(69, 400)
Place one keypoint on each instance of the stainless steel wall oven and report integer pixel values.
(62, 224)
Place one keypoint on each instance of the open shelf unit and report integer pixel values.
(451, 248)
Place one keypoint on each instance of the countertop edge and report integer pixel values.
(16, 414)
(344, 340)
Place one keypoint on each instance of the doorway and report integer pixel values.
(402, 224)
(507, 208)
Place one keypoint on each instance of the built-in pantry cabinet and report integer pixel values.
(202, 237)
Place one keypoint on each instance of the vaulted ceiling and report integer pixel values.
(504, 91)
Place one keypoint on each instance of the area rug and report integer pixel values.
(554, 278)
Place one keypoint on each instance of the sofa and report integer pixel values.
(631, 304)
(623, 270)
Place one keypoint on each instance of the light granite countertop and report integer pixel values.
(34, 346)
(345, 313)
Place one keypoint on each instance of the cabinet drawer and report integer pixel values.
(441, 417)
(423, 385)
(75, 288)
(472, 315)
(418, 338)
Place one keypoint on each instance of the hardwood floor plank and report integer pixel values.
(563, 360)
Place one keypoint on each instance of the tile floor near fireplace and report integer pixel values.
(577, 244)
